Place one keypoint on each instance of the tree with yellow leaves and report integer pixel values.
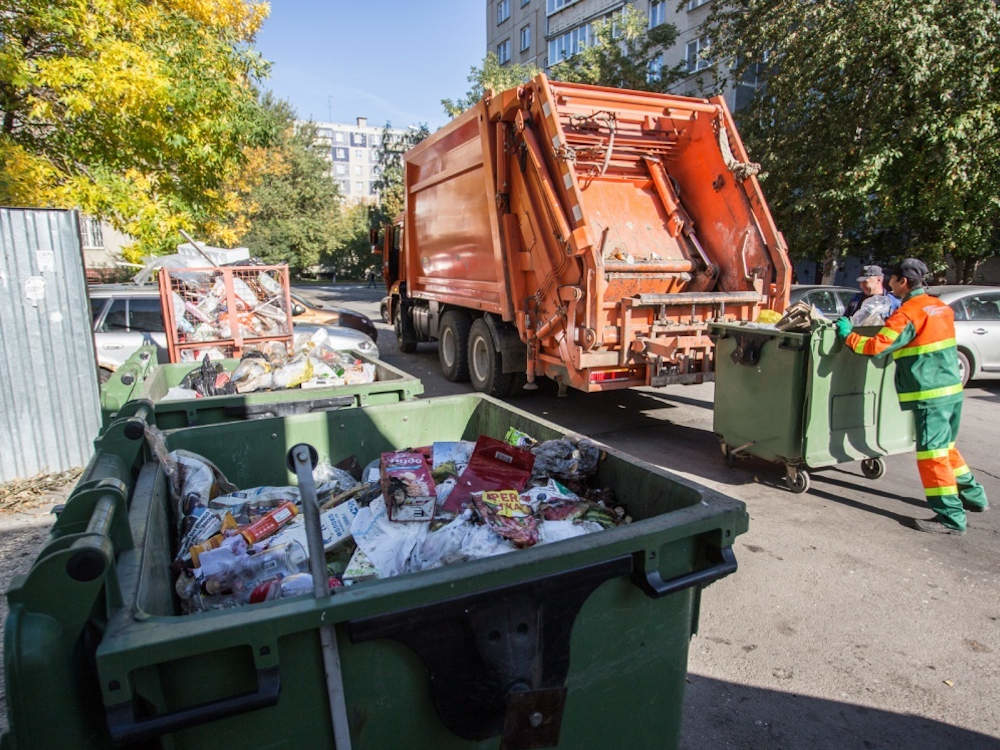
(136, 111)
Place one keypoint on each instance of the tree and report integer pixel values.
(492, 75)
(389, 167)
(131, 110)
(624, 54)
(287, 201)
(879, 123)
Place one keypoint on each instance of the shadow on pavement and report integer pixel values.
(719, 714)
(869, 488)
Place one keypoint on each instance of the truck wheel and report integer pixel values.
(405, 338)
(453, 345)
(485, 367)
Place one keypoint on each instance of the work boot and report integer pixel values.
(975, 508)
(936, 526)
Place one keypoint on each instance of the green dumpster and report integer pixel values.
(805, 401)
(575, 644)
(127, 381)
(391, 385)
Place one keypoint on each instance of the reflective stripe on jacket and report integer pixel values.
(920, 335)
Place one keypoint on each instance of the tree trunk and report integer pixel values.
(830, 263)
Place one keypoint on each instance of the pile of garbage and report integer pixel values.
(314, 363)
(407, 511)
(201, 311)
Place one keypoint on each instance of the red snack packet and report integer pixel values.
(494, 465)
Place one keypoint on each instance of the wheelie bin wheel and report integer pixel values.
(798, 481)
(873, 468)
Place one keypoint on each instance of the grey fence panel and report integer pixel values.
(49, 400)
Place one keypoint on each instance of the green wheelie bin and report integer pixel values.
(805, 401)
(580, 643)
(137, 380)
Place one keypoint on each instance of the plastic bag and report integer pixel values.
(556, 531)
(295, 372)
(442, 547)
(565, 459)
(388, 544)
(482, 542)
(494, 465)
(180, 394)
(332, 481)
(253, 373)
(873, 311)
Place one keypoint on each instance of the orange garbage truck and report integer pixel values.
(580, 233)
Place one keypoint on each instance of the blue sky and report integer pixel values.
(387, 60)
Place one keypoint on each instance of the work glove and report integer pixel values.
(844, 327)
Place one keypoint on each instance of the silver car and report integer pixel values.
(977, 328)
(127, 316)
(830, 300)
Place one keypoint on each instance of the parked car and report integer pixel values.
(127, 316)
(829, 300)
(331, 315)
(977, 328)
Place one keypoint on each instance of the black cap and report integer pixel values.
(870, 272)
(911, 269)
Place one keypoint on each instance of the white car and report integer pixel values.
(128, 316)
(977, 328)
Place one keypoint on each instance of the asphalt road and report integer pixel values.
(843, 628)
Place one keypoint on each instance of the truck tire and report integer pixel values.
(406, 338)
(485, 368)
(453, 345)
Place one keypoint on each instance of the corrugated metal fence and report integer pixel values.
(49, 402)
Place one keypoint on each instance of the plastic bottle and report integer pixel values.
(270, 523)
(281, 561)
(297, 584)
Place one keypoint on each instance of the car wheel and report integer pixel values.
(964, 367)
(453, 345)
(383, 310)
(485, 368)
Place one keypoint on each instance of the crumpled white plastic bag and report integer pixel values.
(388, 544)
(873, 311)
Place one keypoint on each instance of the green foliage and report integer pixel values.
(624, 54)
(293, 203)
(879, 125)
(133, 110)
(492, 75)
(389, 184)
(352, 253)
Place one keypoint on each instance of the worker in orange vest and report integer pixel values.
(920, 335)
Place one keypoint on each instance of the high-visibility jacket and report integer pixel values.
(920, 335)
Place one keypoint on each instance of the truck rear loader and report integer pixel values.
(582, 233)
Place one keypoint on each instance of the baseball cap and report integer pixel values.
(912, 269)
(868, 272)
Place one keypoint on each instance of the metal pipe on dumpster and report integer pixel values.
(302, 458)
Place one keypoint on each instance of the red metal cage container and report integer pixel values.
(224, 311)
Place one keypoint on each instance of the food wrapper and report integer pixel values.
(494, 465)
(507, 516)
(407, 486)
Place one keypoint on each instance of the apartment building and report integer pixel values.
(545, 32)
(352, 152)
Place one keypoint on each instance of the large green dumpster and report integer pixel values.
(806, 401)
(576, 644)
(391, 385)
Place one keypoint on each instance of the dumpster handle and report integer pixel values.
(653, 584)
(288, 408)
(124, 728)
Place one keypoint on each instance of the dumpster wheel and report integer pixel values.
(797, 480)
(873, 468)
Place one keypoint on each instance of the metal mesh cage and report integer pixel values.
(223, 312)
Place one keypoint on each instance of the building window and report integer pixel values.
(340, 169)
(358, 139)
(357, 170)
(359, 188)
(503, 51)
(692, 4)
(657, 13)
(503, 10)
(92, 236)
(341, 154)
(568, 44)
(525, 37)
(338, 137)
(554, 5)
(359, 154)
(696, 55)
(655, 69)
